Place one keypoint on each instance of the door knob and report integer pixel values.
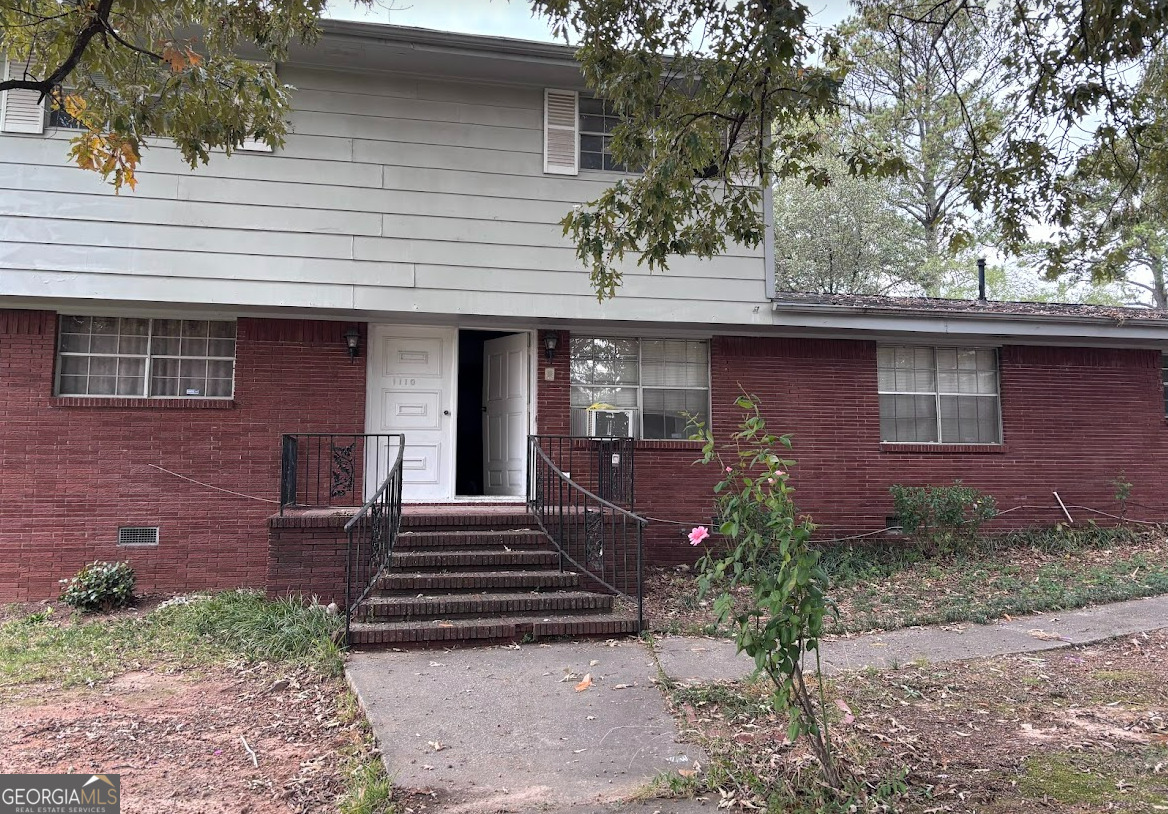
(445, 412)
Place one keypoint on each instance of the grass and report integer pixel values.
(1097, 779)
(244, 625)
(888, 585)
(885, 587)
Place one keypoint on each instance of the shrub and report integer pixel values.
(941, 517)
(100, 586)
(780, 618)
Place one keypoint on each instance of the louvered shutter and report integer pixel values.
(561, 132)
(21, 111)
(252, 145)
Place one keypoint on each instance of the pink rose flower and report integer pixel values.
(698, 534)
(728, 469)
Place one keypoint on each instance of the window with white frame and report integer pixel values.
(663, 384)
(597, 121)
(137, 357)
(938, 395)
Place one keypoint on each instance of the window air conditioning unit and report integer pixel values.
(611, 423)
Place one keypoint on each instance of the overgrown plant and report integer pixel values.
(100, 586)
(1123, 492)
(781, 619)
(942, 517)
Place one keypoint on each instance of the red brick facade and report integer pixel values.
(73, 470)
(1073, 420)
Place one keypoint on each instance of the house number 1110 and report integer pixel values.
(401, 381)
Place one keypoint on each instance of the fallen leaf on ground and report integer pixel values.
(1046, 635)
(687, 772)
(437, 746)
(849, 718)
(585, 683)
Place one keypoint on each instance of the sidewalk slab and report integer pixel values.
(690, 659)
(512, 735)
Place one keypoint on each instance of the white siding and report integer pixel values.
(394, 194)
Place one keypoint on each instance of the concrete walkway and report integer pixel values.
(504, 729)
(690, 659)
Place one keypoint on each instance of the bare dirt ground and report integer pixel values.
(176, 738)
(1077, 730)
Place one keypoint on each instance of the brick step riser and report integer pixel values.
(434, 543)
(518, 522)
(468, 608)
(391, 584)
(477, 561)
(423, 635)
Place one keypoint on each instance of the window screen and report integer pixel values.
(666, 381)
(938, 395)
(127, 356)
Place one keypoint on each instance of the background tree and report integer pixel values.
(844, 236)
(131, 70)
(922, 85)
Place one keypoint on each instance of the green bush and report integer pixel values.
(100, 586)
(942, 517)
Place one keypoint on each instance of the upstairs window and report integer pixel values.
(597, 121)
(938, 395)
(648, 388)
(135, 357)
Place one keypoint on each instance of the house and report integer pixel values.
(182, 366)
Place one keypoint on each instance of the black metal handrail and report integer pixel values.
(320, 469)
(594, 535)
(371, 536)
(603, 465)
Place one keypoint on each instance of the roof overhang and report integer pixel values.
(934, 324)
(373, 47)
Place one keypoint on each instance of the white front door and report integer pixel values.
(505, 396)
(411, 391)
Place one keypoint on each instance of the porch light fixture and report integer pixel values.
(353, 342)
(551, 341)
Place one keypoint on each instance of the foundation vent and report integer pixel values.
(137, 536)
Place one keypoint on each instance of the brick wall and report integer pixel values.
(306, 557)
(73, 470)
(1073, 419)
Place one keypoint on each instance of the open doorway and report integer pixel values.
(493, 395)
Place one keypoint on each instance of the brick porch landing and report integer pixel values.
(467, 573)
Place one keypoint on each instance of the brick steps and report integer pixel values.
(477, 577)
(473, 559)
(451, 606)
(484, 630)
(519, 538)
(476, 581)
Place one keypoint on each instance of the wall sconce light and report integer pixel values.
(353, 342)
(551, 341)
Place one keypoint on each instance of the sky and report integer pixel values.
(499, 17)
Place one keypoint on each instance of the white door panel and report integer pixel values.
(411, 391)
(505, 397)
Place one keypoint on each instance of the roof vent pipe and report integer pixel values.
(981, 284)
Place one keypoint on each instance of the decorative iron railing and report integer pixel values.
(372, 533)
(601, 540)
(319, 470)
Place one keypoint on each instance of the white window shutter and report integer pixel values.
(252, 145)
(561, 132)
(21, 111)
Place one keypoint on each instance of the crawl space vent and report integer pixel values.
(137, 535)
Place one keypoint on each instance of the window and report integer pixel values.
(661, 381)
(127, 356)
(597, 121)
(938, 395)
